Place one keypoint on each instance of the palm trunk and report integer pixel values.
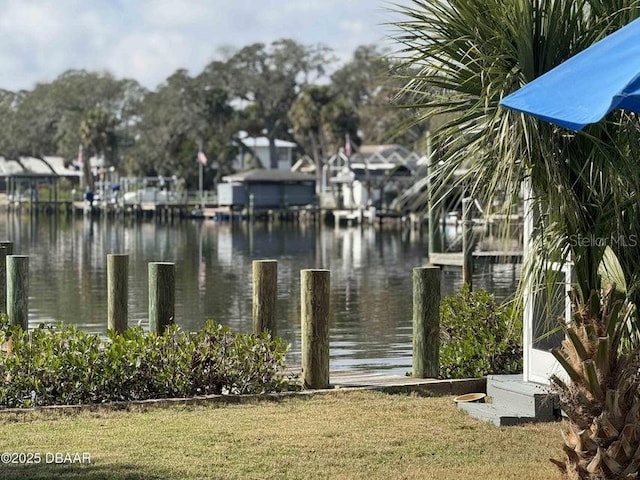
(318, 162)
(273, 153)
(86, 172)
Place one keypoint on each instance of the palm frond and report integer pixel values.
(460, 58)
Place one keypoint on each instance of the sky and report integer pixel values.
(148, 40)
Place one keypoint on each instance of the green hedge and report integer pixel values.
(65, 366)
(479, 336)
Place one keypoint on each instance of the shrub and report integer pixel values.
(479, 336)
(62, 365)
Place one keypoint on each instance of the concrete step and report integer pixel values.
(500, 417)
(510, 401)
(509, 392)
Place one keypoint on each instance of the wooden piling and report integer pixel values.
(161, 296)
(315, 304)
(467, 243)
(18, 290)
(426, 322)
(265, 289)
(3, 278)
(117, 292)
(8, 245)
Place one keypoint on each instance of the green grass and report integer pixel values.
(341, 435)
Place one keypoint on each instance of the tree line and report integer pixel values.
(283, 90)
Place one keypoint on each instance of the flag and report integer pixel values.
(347, 145)
(202, 158)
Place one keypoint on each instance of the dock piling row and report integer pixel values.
(315, 308)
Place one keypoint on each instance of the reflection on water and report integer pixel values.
(370, 277)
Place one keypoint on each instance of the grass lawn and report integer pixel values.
(340, 435)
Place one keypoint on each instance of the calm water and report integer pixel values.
(370, 277)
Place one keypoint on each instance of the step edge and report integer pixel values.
(493, 411)
(492, 408)
(520, 388)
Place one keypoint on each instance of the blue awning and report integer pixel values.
(583, 89)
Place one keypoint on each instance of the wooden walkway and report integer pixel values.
(380, 381)
(455, 259)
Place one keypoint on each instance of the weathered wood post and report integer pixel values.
(117, 292)
(315, 303)
(161, 296)
(18, 290)
(467, 243)
(8, 245)
(6, 248)
(426, 322)
(265, 289)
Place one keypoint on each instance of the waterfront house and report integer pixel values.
(373, 176)
(268, 188)
(257, 154)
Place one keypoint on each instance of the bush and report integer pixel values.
(63, 365)
(478, 336)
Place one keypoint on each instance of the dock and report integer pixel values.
(144, 209)
(290, 214)
(380, 381)
(354, 217)
(486, 257)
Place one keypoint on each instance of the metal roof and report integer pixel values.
(35, 166)
(254, 142)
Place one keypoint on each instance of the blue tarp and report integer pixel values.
(589, 85)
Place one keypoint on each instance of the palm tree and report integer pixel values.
(97, 134)
(602, 436)
(463, 56)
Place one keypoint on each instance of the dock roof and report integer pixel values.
(32, 166)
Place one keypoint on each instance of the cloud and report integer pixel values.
(169, 14)
(151, 57)
(149, 39)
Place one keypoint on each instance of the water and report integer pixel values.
(371, 292)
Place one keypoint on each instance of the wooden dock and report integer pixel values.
(394, 383)
(486, 257)
(404, 384)
(354, 217)
(229, 214)
(146, 209)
